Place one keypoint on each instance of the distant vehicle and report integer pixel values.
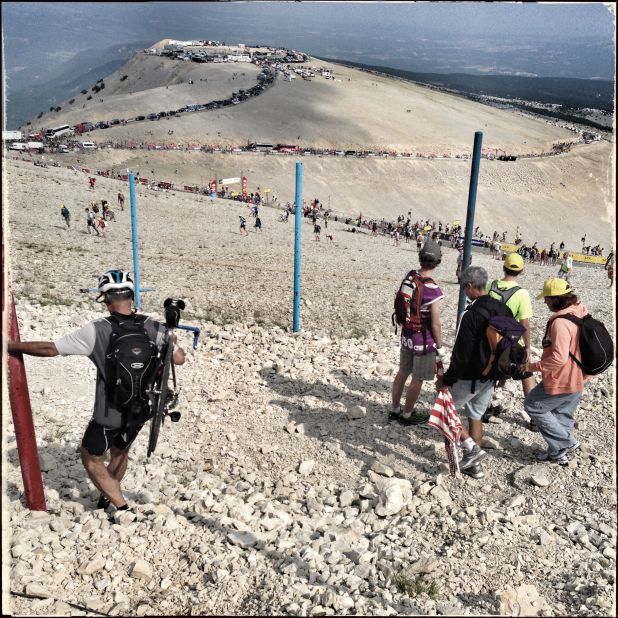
(171, 113)
(162, 114)
(139, 118)
(286, 148)
(261, 147)
(64, 129)
(12, 136)
(101, 125)
(339, 153)
(89, 146)
(152, 116)
(36, 137)
(18, 146)
(38, 146)
(63, 148)
(115, 121)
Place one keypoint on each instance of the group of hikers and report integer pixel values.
(257, 226)
(476, 370)
(96, 218)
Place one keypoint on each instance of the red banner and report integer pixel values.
(244, 185)
(213, 186)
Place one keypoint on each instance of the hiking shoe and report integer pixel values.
(474, 471)
(471, 457)
(394, 414)
(575, 446)
(561, 459)
(492, 411)
(113, 517)
(416, 418)
(532, 426)
(103, 502)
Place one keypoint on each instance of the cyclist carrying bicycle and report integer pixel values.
(117, 418)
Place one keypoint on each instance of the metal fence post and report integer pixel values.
(467, 254)
(298, 217)
(21, 410)
(138, 302)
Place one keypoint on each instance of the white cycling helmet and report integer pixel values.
(115, 281)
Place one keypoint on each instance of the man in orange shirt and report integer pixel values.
(552, 403)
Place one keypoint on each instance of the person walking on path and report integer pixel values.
(609, 267)
(566, 267)
(258, 224)
(317, 230)
(91, 221)
(517, 299)
(107, 430)
(101, 225)
(419, 350)
(91, 181)
(464, 377)
(243, 226)
(66, 215)
(121, 200)
(552, 403)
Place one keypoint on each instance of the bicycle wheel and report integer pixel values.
(160, 400)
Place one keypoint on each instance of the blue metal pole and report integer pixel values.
(138, 302)
(298, 220)
(474, 178)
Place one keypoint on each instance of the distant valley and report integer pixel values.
(560, 97)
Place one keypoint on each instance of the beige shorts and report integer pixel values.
(421, 367)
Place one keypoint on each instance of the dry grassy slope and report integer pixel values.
(357, 110)
(154, 84)
(550, 199)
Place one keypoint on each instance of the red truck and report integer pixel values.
(83, 127)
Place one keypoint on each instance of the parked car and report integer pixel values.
(115, 121)
(139, 118)
(89, 146)
(153, 117)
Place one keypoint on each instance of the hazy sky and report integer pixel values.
(134, 20)
(39, 37)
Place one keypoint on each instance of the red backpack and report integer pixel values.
(408, 301)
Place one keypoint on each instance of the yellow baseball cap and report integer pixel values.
(514, 261)
(554, 287)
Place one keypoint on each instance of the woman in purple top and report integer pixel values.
(419, 350)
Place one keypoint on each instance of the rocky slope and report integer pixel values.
(284, 489)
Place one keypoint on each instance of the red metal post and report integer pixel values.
(23, 423)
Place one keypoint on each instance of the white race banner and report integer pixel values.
(229, 181)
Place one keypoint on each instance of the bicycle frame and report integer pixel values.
(163, 400)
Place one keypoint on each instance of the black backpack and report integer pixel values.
(595, 344)
(131, 364)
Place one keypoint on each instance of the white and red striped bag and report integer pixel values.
(445, 419)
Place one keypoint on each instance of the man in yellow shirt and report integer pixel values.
(518, 301)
